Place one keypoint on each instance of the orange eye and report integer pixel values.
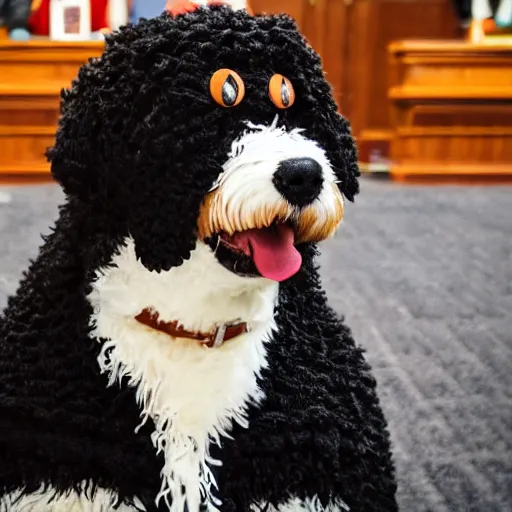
(281, 92)
(227, 88)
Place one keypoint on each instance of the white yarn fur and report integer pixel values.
(46, 500)
(192, 393)
(308, 505)
(247, 174)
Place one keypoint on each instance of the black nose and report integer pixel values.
(299, 180)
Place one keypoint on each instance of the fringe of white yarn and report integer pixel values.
(185, 457)
(47, 499)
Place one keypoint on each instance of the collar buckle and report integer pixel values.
(219, 335)
(218, 338)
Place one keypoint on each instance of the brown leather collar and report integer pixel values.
(215, 338)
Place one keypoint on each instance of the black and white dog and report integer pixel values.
(171, 347)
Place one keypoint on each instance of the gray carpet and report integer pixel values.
(424, 278)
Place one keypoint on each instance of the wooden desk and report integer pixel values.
(32, 75)
(451, 106)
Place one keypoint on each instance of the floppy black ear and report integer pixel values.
(94, 143)
(124, 140)
(334, 133)
(344, 157)
(102, 114)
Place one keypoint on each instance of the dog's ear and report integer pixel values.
(72, 161)
(334, 133)
(342, 152)
(93, 140)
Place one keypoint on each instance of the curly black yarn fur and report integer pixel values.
(320, 430)
(140, 142)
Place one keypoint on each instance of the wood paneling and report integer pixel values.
(300, 10)
(22, 148)
(31, 77)
(334, 48)
(374, 24)
(352, 38)
(452, 108)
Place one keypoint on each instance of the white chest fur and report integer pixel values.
(192, 393)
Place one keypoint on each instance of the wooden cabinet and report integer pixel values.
(452, 109)
(352, 38)
(32, 76)
(373, 25)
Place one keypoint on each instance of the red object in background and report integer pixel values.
(39, 20)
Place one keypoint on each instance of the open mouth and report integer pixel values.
(269, 252)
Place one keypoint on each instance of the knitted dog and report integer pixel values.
(171, 347)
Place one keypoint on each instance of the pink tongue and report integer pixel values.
(273, 251)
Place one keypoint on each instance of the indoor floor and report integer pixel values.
(423, 275)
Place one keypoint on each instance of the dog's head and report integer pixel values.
(210, 127)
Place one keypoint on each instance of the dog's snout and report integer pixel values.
(299, 180)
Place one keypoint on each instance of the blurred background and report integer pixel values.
(421, 269)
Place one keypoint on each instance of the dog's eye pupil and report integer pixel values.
(229, 91)
(285, 94)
